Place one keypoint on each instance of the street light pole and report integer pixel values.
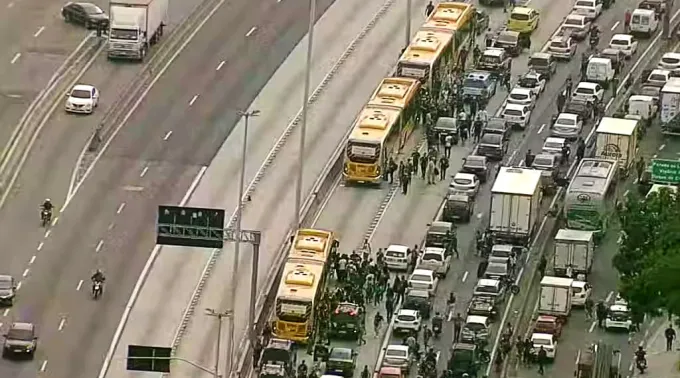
(237, 245)
(408, 23)
(220, 316)
(305, 111)
(253, 289)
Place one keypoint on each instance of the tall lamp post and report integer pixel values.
(220, 317)
(305, 111)
(408, 23)
(239, 211)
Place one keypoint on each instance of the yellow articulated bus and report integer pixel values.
(453, 18)
(313, 246)
(300, 289)
(427, 57)
(401, 93)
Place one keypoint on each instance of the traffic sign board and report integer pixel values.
(666, 171)
(190, 227)
(149, 358)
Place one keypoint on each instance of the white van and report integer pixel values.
(600, 70)
(396, 257)
(644, 21)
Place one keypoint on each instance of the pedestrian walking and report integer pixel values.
(431, 175)
(457, 326)
(405, 181)
(423, 165)
(443, 166)
(415, 157)
(640, 167)
(448, 144)
(589, 308)
(670, 336)
(389, 310)
(429, 9)
(541, 358)
(377, 324)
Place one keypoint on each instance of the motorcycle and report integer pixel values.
(641, 365)
(436, 329)
(45, 217)
(96, 289)
(594, 41)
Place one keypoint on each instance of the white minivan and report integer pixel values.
(600, 70)
(644, 21)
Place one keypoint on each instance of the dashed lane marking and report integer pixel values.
(193, 99)
(219, 66)
(120, 208)
(32, 260)
(19, 285)
(80, 284)
(615, 25)
(99, 246)
(43, 367)
(37, 34)
(16, 57)
(146, 169)
(25, 274)
(6, 312)
(465, 276)
(54, 222)
(167, 135)
(47, 233)
(540, 129)
(251, 31)
(62, 323)
(41, 245)
(592, 327)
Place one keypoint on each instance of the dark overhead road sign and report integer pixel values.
(190, 227)
(149, 358)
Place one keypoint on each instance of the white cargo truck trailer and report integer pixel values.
(135, 26)
(515, 205)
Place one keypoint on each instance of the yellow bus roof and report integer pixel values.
(395, 92)
(373, 123)
(426, 47)
(312, 246)
(449, 16)
(300, 281)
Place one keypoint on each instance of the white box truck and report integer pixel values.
(670, 107)
(617, 140)
(573, 253)
(134, 26)
(515, 205)
(556, 295)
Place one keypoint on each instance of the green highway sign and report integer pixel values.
(666, 171)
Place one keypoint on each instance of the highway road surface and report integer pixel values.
(109, 224)
(580, 331)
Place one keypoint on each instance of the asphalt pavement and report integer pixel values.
(109, 224)
(580, 331)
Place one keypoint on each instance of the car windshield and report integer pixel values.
(406, 318)
(513, 112)
(619, 42)
(519, 96)
(474, 162)
(496, 124)
(538, 62)
(519, 16)
(584, 4)
(493, 139)
(576, 106)
(572, 21)
(395, 353)
(585, 91)
(391, 253)
(80, 93)
(542, 162)
(670, 60)
(618, 315)
(507, 38)
(487, 289)
(20, 334)
(553, 145)
(462, 181)
(493, 59)
(528, 82)
(473, 83)
(565, 122)
(432, 256)
(559, 44)
(500, 252)
(5, 284)
(494, 269)
(91, 9)
(340, 354)
(657, 77)
(538, 341)
(475, 327)
(420, 278)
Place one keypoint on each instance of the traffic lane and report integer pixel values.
(46, 172)
(192, 113)
(94, 236)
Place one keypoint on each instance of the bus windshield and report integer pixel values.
(292, 310)
(363, 152)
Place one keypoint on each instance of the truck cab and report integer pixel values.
(134, 26)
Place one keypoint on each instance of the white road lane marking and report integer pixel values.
(219, 66)
(661, 147)
(80, 284)
(592, 327)
(41, 245)
(609, 297)
(120, 208)
(43, 367)
(615, 25)
(465, 276)
(540, 129)
(25, 274)
(54, 222)
(19, 285)
(62, 323)
(146, 169)
(167, 136)
(6, 312)
(99, 246)
(32, 260)
(37, 34)
(16, 57)
(47, 233)
(251, 31)
(193, 99)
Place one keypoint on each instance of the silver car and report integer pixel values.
(567, 126)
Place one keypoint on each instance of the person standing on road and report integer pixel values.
(626, 21)
(429, 9)
(377, 324)
(589, 308)
(580, 149)
(448, 144)
(541, 358)
(670, 336)
(457, 326)
(443, 166)
(640, 167)
(415, 156)
(423, 165)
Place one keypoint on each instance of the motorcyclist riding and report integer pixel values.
(437, 322)
(47, 205)
(98, 277)
(302, 370)
(640, 359)
(594, 36)
(46, 210)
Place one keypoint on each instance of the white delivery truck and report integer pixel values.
(617, 140)
(573, 253)
(556, 295)
(515, 205)
(670, 107)
(134, 26)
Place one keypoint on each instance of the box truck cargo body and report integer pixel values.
(573, 252)
(556, 295)
(135, 25)
(670, 107)
(515, 204)
(617, 140)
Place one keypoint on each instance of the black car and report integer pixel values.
(86, 14)
(347, 320)
(482, 306)
(20, 340)
(342, 362)
(7, 290)
(492, 146)
(579, 107)
(497, 125)
(477, 165)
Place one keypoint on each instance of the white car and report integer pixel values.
(396, 257)
(581, 292)
(424, 279)
(576, 26)
(82, 99)
(397, 356)
(658, 78)
(618, 317)
(476, 328)
(589, 8)
(464, 183)
(517, 115)
(435, 259)
(670, 61)
(587, 91)
(567, 126)
(624, 42)
(534, 81)
(545, 340)
(553, 146)
(522, 96)
(408, 321)
(562, 47)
